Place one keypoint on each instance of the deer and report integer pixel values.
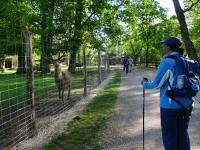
(63, 81)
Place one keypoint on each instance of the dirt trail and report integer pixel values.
(125, 126)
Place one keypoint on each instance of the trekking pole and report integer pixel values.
(143, 109)
(143, 114)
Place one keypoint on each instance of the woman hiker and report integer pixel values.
(173, 124)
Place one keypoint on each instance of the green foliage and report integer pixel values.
(194, 26)
(147, 25)
(114, 26)
(14, 14)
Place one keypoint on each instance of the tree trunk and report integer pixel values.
(21, 62)
(77, 38)
(72, 62)
(135, 60)
(44, 61)
(2, 60)
(147, 55)
(184, 31)
(67, 59)
(46, 55)
(79, 57)
(84, 71)
(107, 63)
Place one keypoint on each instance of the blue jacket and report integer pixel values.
(166, 73)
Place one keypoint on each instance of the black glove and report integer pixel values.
(144, 80)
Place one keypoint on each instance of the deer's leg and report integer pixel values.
(63, 96)
(68, 97)
(59, 93)
(59, 90)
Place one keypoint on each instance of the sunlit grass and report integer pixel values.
(13, 87)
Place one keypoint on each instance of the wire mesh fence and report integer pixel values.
(29, 92)
(29, 99)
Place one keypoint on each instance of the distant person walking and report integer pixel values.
(126, 64)
(174, 119)
(130, 64)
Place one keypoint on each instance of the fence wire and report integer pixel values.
(17, 122)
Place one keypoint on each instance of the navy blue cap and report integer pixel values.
(172, 41)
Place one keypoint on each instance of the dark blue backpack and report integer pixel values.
(187, 84)
(126, 62)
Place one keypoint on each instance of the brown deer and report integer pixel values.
(63, 81)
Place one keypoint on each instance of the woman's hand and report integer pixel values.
(144, 80)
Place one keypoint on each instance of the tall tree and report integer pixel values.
(184, 29)
(15, 14)
(142, 17)
(47, 14)
(89, 16)
(195, 28)
(76, 40)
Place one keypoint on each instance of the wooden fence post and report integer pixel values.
(84, 71)
(107, 62)
(30, 81)
(99, 66)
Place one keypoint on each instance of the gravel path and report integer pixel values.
(125, 126)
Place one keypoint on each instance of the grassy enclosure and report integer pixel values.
(13, 86)
(16, 109)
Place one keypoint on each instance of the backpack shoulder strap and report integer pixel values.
(178, 102)
(181, 67)
(172, 57)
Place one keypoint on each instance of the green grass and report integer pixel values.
(87, 132)
(13, 86)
